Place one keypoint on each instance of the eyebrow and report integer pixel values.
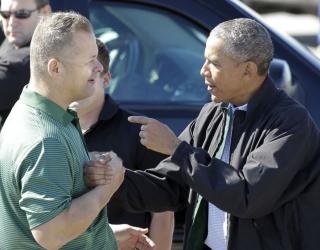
(215, 61)
(207, 57)
(93, 56)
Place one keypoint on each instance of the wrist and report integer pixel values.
(103, 195)
(174, 146)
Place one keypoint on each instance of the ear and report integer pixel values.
(106, 79)
(250, 70)
(54, 68)
(46, 10)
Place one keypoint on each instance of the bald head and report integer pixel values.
(53, 37)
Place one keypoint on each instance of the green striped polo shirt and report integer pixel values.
(42, 155)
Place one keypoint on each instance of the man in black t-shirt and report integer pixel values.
(105, 127)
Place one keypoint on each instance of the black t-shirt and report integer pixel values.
(114, 132)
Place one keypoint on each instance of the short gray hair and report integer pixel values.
(246, 40)
(52, 35)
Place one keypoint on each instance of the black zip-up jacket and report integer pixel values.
(14, 75)
(271, 187)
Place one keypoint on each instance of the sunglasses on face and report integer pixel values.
(20, 14)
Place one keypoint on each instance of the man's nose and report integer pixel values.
(12, 20)
(203, 69)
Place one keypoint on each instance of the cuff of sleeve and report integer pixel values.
(39, 218)
(121, 190)
(181, 153)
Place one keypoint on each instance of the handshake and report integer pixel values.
(104, 169)
(105, 172)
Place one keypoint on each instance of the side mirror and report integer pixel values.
(280, 73)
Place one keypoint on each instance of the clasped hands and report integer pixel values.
(106, 168)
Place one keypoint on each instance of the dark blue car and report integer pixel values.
(157, 46)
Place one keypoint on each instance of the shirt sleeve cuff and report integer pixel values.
(181, 153)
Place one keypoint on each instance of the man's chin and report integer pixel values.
(81, 102)
(215, 99)
(75, 105)
(15, 42)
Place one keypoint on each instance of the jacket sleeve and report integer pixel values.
(153, 190)
(273, 173)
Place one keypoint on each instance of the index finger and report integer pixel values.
(144, 242)
(140, 119)
(138, 230)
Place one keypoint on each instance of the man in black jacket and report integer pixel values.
(19, 19)
(250, 160)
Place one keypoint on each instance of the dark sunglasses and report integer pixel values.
(20, 14)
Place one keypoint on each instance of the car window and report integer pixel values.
(155, 55)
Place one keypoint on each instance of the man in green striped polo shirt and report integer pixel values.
(44, 202)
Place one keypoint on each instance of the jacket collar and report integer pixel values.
(263, 98)
(109, 109)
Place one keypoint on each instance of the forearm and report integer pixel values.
(73, 221)
(242, 190)
(140, 187)
(161, 230)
